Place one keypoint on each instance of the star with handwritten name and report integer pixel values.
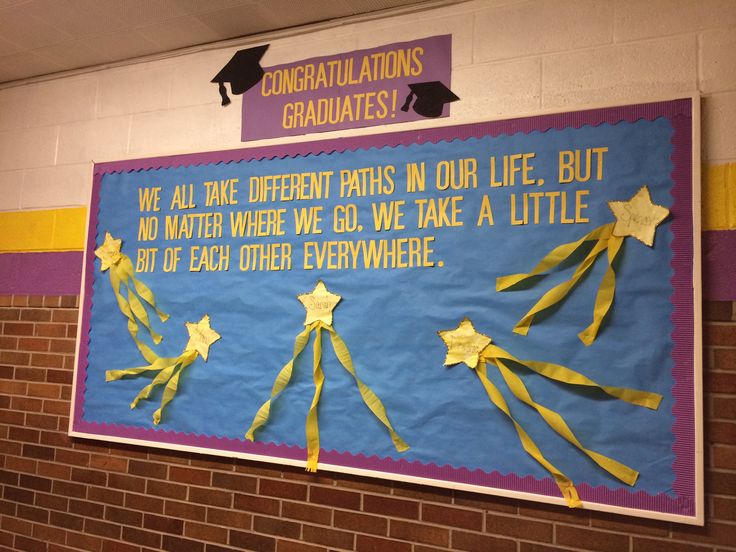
(464, 344)
(201, 336)
(319, 304)
(109, 251)
(638, 217)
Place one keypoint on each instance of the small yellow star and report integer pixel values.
(638, 217)
(201, 336)
(109, 251)
(464, 344)
(319, 304)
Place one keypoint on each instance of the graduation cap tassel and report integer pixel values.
(223, 94)
(407, 103)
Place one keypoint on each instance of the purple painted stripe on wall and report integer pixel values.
(52, 273)
(719, 265)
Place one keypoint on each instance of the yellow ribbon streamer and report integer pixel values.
(169, 371)
(312, 428)
(568, 490)
(604, 241)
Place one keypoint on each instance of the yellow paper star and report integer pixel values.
(201, 336)
(319, 304)
(464, 344)
(109, 251)
(638, 217)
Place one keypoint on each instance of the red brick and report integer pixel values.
(390, 507)
(84, 542)
(144, 503)
(252, 541)
(724, 509)
(722, 432)
(177, 544)
(67, 521)
(722, 456)
(240, 483)
(17, 328)
(66, 316)
(724, 359)
(183, 510)
(42, 421)
(282, 489)
(420, 493)
(189, 476)
(108, 463)
(596, 540)
(144, 538)
(510, 526)
(291, 546)
(51, 301)
(34, 344)
(16, 463)
(43, 360)
(15, 525)
(114, 546)
(713, 533)
(718, 333)
(364, 543)
(86, 508)
(51, 502)
(250, 503)
(10, 417)
(35, 483)
(32, 513)
(24, 434)
(416, 532)
(229, 518)
(147, 469)
(27, 373)
(651, 545)
(8, 343)
(327, 537)
(68, 346)
(8, 387)
(89, 477)
(164, 489)
(163, 524)
(49, 534)
(69, 301)
(276, 527)
(72, 490)
(55, 407)
(455, 517)
(72, 457)
(123, 516)
(15, 358)
(211, 497)
(9, 314)
(128, 483)
(25, 544)
(337, 498)
(720, 382)
(102, 528)
(50, 330)
(361, 523)
(38, 452)
(43, 390)
(306, 512)
(203, 532)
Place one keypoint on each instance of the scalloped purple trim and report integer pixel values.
(679, 113)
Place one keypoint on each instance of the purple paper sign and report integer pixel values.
(350, 90)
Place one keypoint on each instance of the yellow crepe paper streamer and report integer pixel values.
(319, 305)
(638, 217)
(122, 275)
(201, 337)
(476, 350)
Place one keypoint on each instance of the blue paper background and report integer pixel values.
(389, 318)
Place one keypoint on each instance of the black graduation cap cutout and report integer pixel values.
(431, 98)
(243, 71)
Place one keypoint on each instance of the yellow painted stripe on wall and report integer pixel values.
(46, 230)
(719, 197)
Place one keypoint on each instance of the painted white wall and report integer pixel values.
(510, 58)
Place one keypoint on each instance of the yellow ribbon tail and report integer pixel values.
(140, 313)
(565, 375)
(172, 386)
(282, 380)
(312, 426)
(156, 365)
(558, 423)
(370, 399)
(606, 291)
(125, 308)
(141, 289)
(563, 482)
(162, 377)
(560, 291)
(554, 257)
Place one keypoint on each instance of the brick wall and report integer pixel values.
(61, 494)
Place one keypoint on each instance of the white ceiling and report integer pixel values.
(40, 37)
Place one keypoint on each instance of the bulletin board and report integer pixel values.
(506, 307)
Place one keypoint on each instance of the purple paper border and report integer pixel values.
(679, 112)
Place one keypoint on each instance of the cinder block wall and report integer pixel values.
(510, 58)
